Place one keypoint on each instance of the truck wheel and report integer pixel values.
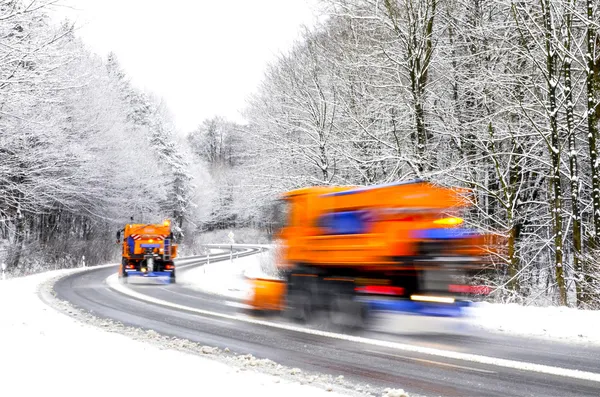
(122, 274)
(345, 312)
(298, 306)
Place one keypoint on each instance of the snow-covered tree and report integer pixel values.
(498, 96)
(73, 164)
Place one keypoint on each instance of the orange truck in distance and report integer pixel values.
(347, 250)
(148, 252)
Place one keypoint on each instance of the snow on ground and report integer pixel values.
(557, 323)
(567, 324)
(46, 352)
(227, 278)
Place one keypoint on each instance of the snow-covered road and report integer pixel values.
(44, 352)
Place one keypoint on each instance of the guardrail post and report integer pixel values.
(207, 261)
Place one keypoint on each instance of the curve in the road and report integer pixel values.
(178, 311)
(492, 361)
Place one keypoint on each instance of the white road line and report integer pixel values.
(422, 360)
(239, 305)
(169, 290)
(498, 362)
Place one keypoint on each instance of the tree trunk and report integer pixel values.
(419, 49)
(593, 113)
(573, 165)
(593, 103)
(556, 192)
(18, 240)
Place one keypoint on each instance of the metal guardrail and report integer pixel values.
(246, 250)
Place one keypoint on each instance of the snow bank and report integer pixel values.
(226, 278)
(563, 323)
(44, 351)
(567, 324)
(394, 393)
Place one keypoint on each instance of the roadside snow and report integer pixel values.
(44, 351)
(394, 393)
(562, 323)
(557, 323)
(226, 278)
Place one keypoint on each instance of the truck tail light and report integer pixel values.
(470, 289)
(169, 267)
(380, 290)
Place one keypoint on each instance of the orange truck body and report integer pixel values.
(378, 235)
(147, 251)
(396, 211)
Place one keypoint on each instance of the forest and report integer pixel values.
(81, 149)
(499, 96)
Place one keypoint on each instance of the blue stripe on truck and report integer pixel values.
(442, 233)
(456, 309)
(148, 274)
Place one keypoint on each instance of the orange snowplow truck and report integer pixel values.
(343, 247)
(148, 252)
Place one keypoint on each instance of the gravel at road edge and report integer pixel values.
(237, 360)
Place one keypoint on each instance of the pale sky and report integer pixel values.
(204, 57)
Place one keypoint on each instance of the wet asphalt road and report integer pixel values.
(377, 366)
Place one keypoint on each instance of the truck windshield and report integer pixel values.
(281, 213)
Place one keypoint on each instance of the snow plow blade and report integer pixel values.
(267, 295)
(458, 309)
(161, 277)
